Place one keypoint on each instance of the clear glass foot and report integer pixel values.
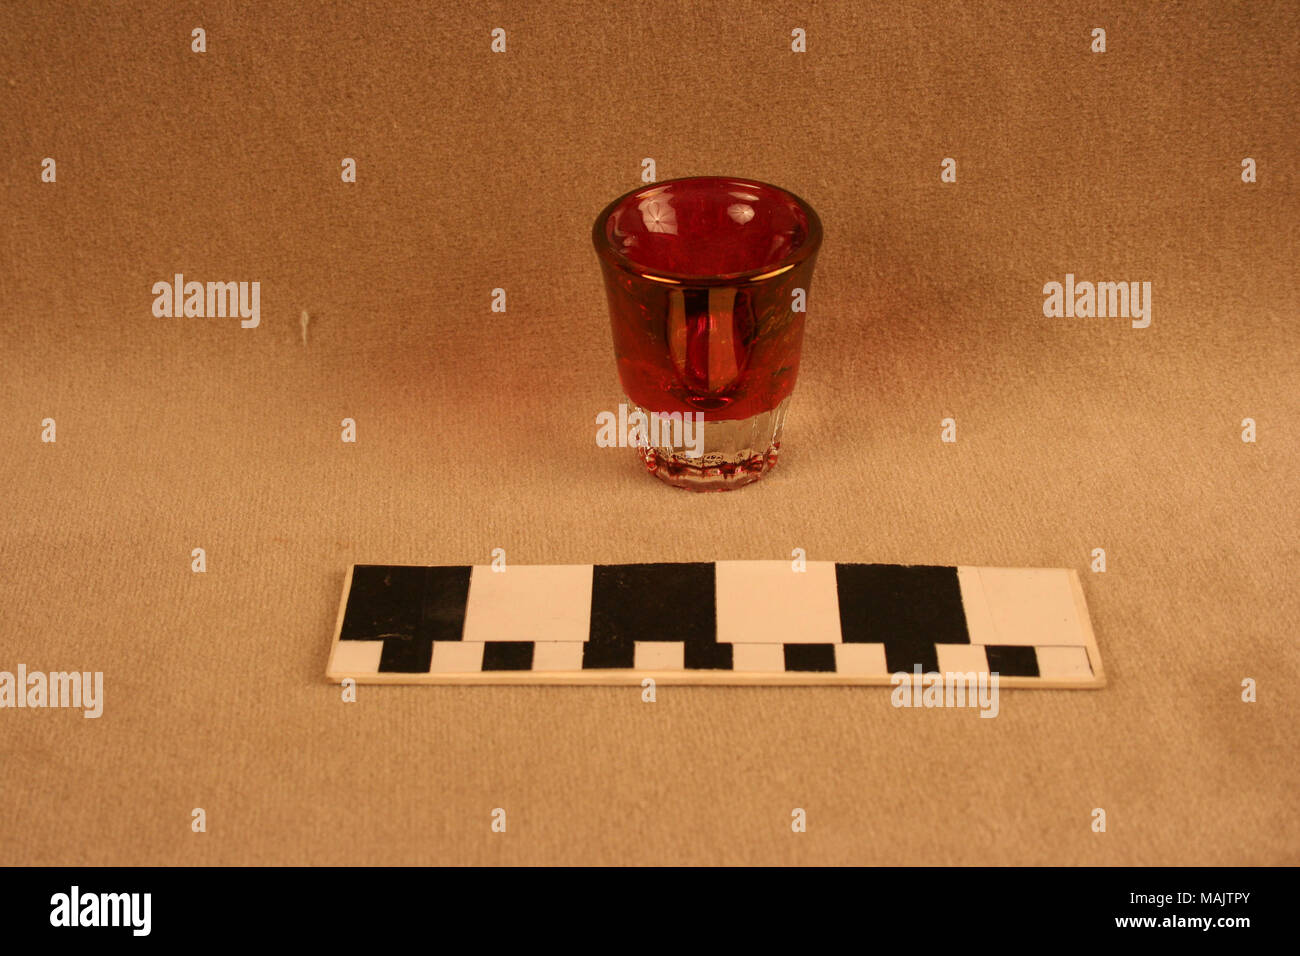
(711, 456)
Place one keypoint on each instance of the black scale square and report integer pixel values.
(408, 608)
(1012, 661)
(707, 656)
(652, 602)
(810, 657)
(508, 656)
(908, 608)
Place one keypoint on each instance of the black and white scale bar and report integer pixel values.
(729, 622)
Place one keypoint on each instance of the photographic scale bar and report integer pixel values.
(725, 622)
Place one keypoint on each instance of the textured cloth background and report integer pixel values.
(476, 430)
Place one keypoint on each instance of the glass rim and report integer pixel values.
(811, 244)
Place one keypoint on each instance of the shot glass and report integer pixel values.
(707, 280)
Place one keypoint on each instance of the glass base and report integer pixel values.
(711, 456)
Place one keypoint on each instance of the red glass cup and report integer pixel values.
(707, 280)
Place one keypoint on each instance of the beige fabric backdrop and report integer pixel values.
(476, 430)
